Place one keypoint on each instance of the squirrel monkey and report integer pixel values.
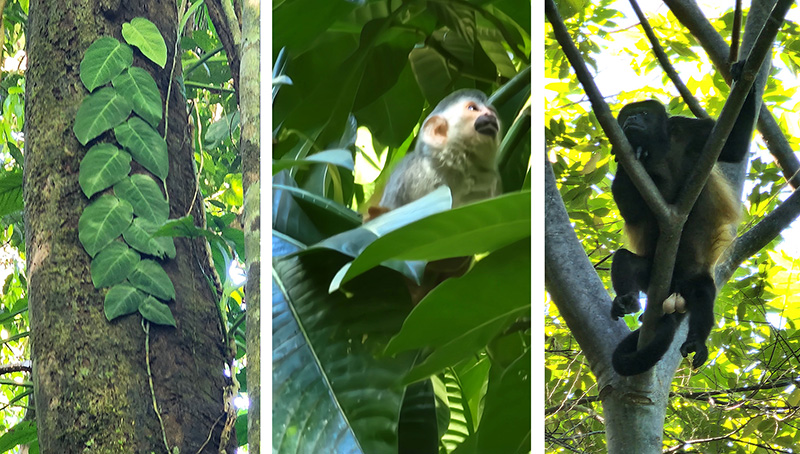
(456, 146)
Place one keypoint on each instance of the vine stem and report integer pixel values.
(146, 328)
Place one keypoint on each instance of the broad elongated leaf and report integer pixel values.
(139, 236)
(471, 229)
(10, 192)
(122, 299)
(113, 264)
(461, 315)
(341, 158)
(103, 165)
(324, 348)
(144, 194)
(145, 145)
(102, 221)
(104, 59)
(149, 277)
(156, 312)
(144, 34)
(22, 433)
(506, 422)
(138, 86)
(99, 112)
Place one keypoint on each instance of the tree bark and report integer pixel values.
(249, 107)
(91, 383)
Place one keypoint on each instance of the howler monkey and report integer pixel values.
(668, 148)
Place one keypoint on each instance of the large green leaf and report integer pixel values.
(461, 315)
(103, 165)
(104, 59)
(149, 277)
(329, 390)
(144, 194)
(99, 112)
(471, 229)
(141, 90)
(506, 422)
(156, 312)
(102, 221)
(113, 264)
(21, 434)
(122, 299)
(145, 145)
(10, 192)
(140, 237)
(144, 34)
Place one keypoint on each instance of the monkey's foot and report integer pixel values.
(674, 303)
(699, 349)
(624, 304)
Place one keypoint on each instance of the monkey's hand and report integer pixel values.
(624, 304)
(699, 349)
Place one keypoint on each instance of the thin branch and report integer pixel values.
(687, 96)
(228, 28)
(22, 366)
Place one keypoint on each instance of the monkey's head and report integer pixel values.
(644, 123)
(465, 120)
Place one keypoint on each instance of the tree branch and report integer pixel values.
(692, 18)
(687, 96)
(229, 30)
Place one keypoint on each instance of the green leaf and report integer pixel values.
(144, 194)
(99, 112)
(149, 277)
(461, 315)
(113, 264)
(102, 221)
(145, 145)
(341, 158)
(156, 312)
(138, 86)
(10, 192)
(140, 237)
(21, 434)
(122, 299)
(104, 59)
(471, 229)
(506, 422)
(144, 34)
(183, 227)
(103, 165)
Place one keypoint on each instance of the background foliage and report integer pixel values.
(745, 398)
(352, 82)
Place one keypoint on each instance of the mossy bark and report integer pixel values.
(90, 379)
(250, 150)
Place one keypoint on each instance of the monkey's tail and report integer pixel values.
(627, 360)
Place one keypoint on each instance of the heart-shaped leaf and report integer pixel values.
(113, 264)
(140, 237)
(99, 112)
(103, 60)
(145, 145)
(122, 299)
(102, 221)
(144, 34)
(149, 277)
(144, 194)
(156, 312)
(138, 86)
(103, 165)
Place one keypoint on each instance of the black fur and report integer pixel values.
(668, 148)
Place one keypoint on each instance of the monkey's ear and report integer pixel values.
(434, 131)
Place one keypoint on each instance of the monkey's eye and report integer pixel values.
(472, 106)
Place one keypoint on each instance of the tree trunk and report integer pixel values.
(91, 382)
(249, 106)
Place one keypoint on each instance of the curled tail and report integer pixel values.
(627, 360)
